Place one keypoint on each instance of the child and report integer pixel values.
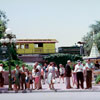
(27, 81)
(37, 77)
(31, 80)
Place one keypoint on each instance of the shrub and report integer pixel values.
(12, 63)
(98, 79)
(61, 58)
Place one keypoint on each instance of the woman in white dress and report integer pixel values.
(50, 78)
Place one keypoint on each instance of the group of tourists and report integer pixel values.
(24, 79)
(80, 73)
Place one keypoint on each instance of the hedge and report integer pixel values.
(98, 79)
(62, 58)
(12, 63)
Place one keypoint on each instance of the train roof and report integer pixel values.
(70, 47)
(37, 41)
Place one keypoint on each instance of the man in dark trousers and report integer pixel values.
(23, 84)
(79, 74)
(89, 68)
(68, 74)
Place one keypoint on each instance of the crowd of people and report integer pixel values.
(23, 79)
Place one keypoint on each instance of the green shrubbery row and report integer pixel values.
(62, 58)
(13, 64)
(98, 79)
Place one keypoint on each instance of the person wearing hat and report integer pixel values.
(79, 74)
(89, 68)
(68, 74)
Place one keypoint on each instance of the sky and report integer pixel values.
(64, 20)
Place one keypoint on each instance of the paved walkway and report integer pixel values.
(59, 87)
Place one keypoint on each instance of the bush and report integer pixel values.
(61, 58)
(7, 68)
(98, 79)
(12, 63)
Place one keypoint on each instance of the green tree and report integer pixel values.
(3, 26)
(95, 27)
(3, 23)
(88, 38)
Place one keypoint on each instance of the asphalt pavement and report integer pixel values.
(52, 96)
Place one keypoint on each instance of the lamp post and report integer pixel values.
(8, 40)
(81, 48)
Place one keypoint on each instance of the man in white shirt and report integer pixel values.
(79, 74)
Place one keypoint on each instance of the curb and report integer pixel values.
(48, 91)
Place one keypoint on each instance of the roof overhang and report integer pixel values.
(37, 41)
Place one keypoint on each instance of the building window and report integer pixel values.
(38, 45)
(21, 46)
(17, 46)
(26, 46)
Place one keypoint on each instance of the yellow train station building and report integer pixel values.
(36, 46)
